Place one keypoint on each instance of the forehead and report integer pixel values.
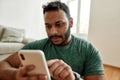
(54, 16)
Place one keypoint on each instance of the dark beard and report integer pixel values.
(67, 34)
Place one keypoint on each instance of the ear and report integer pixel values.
(71, 22)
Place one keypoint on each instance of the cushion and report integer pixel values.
(2, 57)
(13, 35)
(1, 30)
(6, 48)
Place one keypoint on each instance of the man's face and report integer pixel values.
(57, 27)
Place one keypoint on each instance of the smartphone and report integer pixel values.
(37, 58)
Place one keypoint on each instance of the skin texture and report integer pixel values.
(57, 28)
(59, 70)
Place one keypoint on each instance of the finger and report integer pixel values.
(65, 73)
(19, 74)
(32, 78)
(55, 66)
(50, 62)
(58, 70)
(62, 69)
(42, 77)
(24, 70)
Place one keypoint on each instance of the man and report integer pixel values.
(68, 57)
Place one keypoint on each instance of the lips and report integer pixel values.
(55, 39)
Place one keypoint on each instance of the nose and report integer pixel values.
(53, 30)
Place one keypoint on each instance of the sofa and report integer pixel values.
(11, 40)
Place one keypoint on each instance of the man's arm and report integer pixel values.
(9, 70)
(8, 67)
(95, 77)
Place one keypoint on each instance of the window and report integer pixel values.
(80, 11)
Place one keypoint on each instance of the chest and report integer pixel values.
(72, 56)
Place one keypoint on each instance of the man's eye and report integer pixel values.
(48, 26)
(59, 24)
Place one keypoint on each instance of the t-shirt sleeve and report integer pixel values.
(93, 62)
(29, 46)
(36, 45)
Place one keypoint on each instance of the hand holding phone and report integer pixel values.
(37, 58)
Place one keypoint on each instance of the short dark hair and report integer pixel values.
(57, 5)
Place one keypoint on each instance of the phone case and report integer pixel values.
(37, 58)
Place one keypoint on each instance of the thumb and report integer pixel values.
(51, 62)
(24, 70)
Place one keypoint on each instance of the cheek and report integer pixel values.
(64, 30)
(48, 32)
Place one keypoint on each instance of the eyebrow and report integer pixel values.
(58, 21)
(55, 22)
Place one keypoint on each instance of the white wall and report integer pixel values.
(104, 30)
(26, 14)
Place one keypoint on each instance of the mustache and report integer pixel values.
(52, 36)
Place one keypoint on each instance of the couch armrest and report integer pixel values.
(27, 40)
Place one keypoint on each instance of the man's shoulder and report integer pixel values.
(37, 44)
(79, 40)
(40, 41)
(83, 43)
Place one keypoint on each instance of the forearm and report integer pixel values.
(6, 71)
(95, 77)
(77, 76)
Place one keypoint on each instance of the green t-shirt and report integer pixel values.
(81, 55)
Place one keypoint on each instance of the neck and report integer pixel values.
(67, 41)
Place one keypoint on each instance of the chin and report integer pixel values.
(57, 44)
